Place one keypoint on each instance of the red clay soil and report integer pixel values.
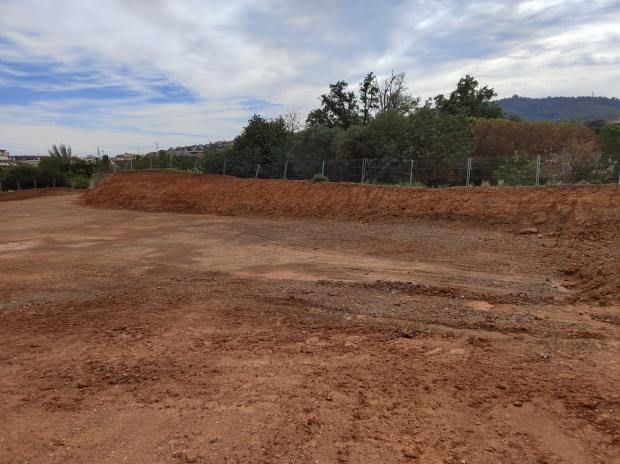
(152, 338)
(189, 193)
(574, 215)
(34, 193)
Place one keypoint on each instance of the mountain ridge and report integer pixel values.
(560, 109)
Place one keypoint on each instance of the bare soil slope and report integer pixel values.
(582, 206)
(574, 215)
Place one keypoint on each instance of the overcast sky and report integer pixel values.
(124, 74)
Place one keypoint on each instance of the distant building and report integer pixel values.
(198, 150)
(91, 159)
(32, 160)
(6, 159)
(124, 157)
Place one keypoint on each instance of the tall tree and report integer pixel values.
(338, 108)
(393, 95)
(369, 97)
(262, 141)
(61, 153)
(292, 121)
(469, 100)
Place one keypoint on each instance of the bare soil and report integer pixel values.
(34, 193)
(154, 337)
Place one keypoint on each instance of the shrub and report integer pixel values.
(318, 177)
(517, 170)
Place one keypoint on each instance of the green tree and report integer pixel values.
(315, 143)
(61, 153)
(262, 141)
(369, 97)
(610, 136)
(393, 97)
(470, 100)
(357, 142)
(519, 169)
(339, 108)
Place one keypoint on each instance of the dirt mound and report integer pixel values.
(34, 193)
(583, 206)
(576, 215)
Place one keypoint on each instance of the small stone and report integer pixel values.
(529, 231)
(517, 404)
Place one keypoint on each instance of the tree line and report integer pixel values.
(59, 169)
(380, 119)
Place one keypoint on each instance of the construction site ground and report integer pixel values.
(160, 337)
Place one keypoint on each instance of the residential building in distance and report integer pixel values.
(199, 150)
(6, 159)
(32, 160)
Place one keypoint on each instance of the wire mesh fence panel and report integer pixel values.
(517, 170)
(433, 173)
(301, 170)
(503, 171)
(344, 170)
(579, 168)
(387, 171)
(213, 165)
(241, 168)
(270, 170)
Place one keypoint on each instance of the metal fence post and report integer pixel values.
(285, 168)
(363, 169)
(35, 182)
(538, 170)
(468, 171)
(72, 182)
(0, 186)
(18, 186)
(323, 168)
(411, 173)
(257, 169)
(131, 163)
(170, 160)
(53, 182)
(224, 168)
(150, 161)
(196, 163)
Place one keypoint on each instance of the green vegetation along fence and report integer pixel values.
(514, 171)
(14, 183)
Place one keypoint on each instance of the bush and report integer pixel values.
(318, 177)
(517, 170)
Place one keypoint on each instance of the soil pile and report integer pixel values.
(582, 208)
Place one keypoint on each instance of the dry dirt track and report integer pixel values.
(156, 337)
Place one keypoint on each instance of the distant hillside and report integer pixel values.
(560, 109)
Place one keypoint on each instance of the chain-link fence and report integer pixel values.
(15, 183)
(516, 170)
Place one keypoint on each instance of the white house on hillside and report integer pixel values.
(6, 159)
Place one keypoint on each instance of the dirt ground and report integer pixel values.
(146, 337)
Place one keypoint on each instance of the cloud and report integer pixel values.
(124, 73)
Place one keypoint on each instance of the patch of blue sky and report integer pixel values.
(25, 83)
